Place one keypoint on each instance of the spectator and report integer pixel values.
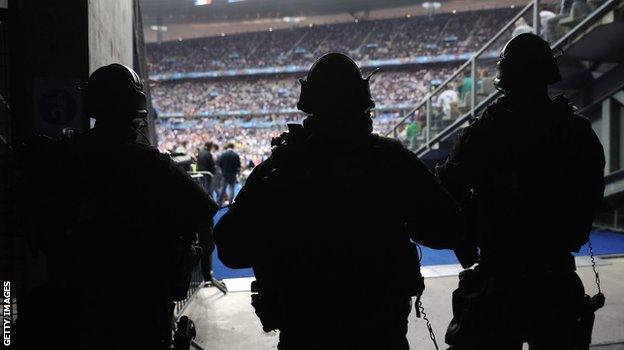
(521, 27)
(446, 99)
(412, 132)
(230, 165)
(205, 162)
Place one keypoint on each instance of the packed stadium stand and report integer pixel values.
(262, 107)
(446, 33)
(208, 77)
(243, 87)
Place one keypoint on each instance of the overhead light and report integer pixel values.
(431, 5)
(293, 19)
(408, 15)
(202, 2)
(159, 28)
(222, 34)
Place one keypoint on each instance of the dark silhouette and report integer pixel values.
(181, 157)
(205, 159)
(230, 165)
(117, 222)
(332, 255)
(206, 162)
(529, 173)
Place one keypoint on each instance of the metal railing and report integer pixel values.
(440, 125)
(197, 281)
(197, 278)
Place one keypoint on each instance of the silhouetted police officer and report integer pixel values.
(332, 255)
(529, 172)
(120, 222)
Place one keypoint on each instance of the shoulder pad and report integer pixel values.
(294, 128)
(499, 106)
(563, 105)
(386, 142)
(500, 103)
(580, 121)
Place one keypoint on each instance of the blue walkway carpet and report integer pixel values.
(603, 242)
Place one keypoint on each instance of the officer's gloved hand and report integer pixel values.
(467, 254)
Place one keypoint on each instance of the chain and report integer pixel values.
(593, 262)
(420, 310)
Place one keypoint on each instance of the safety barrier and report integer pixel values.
(197, 280)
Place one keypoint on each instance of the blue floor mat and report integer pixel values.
(603, 242)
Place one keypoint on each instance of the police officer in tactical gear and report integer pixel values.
(529, 174)
(332, 254)
(117, 223)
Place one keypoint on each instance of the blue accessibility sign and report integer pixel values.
(57, 106)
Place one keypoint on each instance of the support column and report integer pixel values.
(110, 33)
(428, 119)
(610, 135)
(536, 17)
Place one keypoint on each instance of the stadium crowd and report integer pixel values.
(249, 96)
(445, 33)
(252, 133)
(251, 136)
(249, 111)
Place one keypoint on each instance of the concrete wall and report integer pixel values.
(49, 60)
(110, 32)
(56, 45)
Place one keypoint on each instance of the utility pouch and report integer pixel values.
(473, 293)
(585, 322)
(187, 258)
(264, 308)
(184, 334)
(415, 278)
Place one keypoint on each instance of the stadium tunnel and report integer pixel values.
(47, 48)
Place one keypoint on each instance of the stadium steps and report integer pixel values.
(299, 41)
(400, 30)
(365, 39)
(442, 33)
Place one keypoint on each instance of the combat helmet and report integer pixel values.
(335, 82)
(115, 94)
(527, 59)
